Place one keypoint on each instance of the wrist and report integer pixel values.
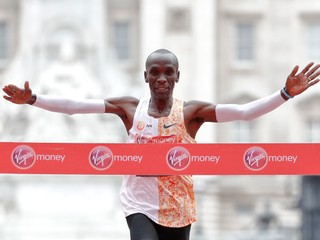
(284, 94)
(32, 100)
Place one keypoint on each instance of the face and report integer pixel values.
(161, 73)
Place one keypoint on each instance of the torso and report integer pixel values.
(149, 195)
(191, 120)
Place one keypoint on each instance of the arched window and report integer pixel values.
(65, 44)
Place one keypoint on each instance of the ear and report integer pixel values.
(145, 77)
(178, 76)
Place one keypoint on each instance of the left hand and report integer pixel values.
(298, 83)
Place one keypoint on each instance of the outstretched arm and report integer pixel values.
(70, 106)
(295, 85)
(124, 107)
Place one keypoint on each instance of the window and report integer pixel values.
(122, 39)
(313, 130)
(3, 40)
(243, 208)
(313, 40)
(245, 44)
(65, 44)
(178, 20)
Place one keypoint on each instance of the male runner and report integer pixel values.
(163, 207)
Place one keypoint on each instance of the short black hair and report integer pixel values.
(163, 51)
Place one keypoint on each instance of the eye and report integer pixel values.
(154, 72)
(169, 72)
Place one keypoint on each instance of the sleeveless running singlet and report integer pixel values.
(166, 200)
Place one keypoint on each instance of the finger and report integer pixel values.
(12, 87)
(313, 82)
(7, 98)
(8, 90)
(314, 76)
(26, 85)
(307, 68)
(313, 70)
(294, 71)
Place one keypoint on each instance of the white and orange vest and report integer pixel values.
(167, 200)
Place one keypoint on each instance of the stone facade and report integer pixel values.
(229, 51)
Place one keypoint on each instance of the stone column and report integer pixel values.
(310, 207)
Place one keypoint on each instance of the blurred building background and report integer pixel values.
(230, 51)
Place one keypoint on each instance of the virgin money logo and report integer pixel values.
(141, 125)
(101, 158)
(255, 158)
(23, 157)
(178, 158)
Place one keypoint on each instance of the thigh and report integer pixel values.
(141, 227)
(166, 233)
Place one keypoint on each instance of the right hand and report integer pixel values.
(17, 95)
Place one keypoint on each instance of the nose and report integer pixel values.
(162, 78)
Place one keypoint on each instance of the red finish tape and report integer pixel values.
(159, 159)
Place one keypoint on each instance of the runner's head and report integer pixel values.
(162, 72)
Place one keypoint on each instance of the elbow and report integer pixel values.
(247, 115)
(67, 112)
(248, 118)
(70, 113)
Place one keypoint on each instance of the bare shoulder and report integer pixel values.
(196, 106)
(121, 105)
(122, 100)
(200, 111)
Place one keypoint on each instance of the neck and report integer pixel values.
(160, 107)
